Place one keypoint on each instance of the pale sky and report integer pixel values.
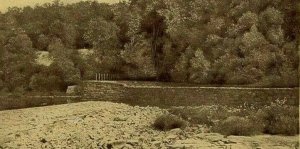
(4, 4)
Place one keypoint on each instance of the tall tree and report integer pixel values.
(18, 62)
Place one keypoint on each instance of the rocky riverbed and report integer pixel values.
(114, 125)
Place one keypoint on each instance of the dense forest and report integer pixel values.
(220, 42)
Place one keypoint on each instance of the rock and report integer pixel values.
(133, 142)
(127, 146)
(156, 143)
(221, 143)
(156, 138)
(214, 137)
(118, 142)
(71, 89)
(92, 125)
(176, 131)
(172, 136)
(229, 142)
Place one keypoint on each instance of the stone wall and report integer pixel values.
(103, 90)
(169, 95)
(199, 96)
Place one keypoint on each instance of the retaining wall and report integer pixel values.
(169, 95)
(104, 90)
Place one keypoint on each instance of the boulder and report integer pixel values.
(71, 89)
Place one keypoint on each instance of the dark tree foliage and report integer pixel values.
(251, 42)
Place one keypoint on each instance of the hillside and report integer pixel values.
(5, 4)
(44, 58)
(249, 43)
(106, 125)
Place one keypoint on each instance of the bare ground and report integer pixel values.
(114, 125)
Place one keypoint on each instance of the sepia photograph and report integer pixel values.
(149, 74)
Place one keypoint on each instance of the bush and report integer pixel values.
(19, 91)
(4, 92)
(168, 122)
(1, 83)
(279, 119)
(195, 116)
(46, 82)
(241, 126)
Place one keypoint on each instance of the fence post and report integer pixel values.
(109, 77)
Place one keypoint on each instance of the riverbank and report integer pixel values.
(105, 124)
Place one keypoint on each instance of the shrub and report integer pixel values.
(279, 119)
(46, 82)
(168, 122)
(1, 83)
(247, 20)
(18, 92)
(235, 125)
(4, 92)
(195, 116)
(284, 125)
(200, 67)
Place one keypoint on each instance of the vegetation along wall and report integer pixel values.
(168, 95)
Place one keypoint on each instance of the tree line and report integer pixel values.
(228, 42)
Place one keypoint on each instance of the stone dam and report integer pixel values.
(164, 94)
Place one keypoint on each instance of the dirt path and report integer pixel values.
(107, 125)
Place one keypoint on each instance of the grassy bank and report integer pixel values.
(20, 102)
